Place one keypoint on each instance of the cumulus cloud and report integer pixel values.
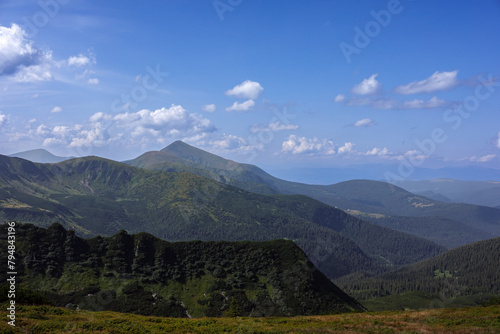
(209, 108)
(246, 90)
(15, 50)
(339, 98)
(244, 106)
(367, 86)
(377, 151)
(436, 82)
(80, 60)
(348, 146)
(20, 58)
(56, 109)
(93, 81)
(98, 116)
(421, 104)
(302, 145)
(163, 122)
(126, 129)
(365, 122)
(96, 136)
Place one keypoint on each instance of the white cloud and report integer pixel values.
(365, 122)
(42, 130)
(421, 104)
(339, 98)
(56, 109)
(95, 136)
(93, 81)
(367, 86)
(244, 106)
(303, 145)
(4, 120)
(209, 108)
(60, 130)
(80, 60)
(20, 58)
(228, 142)
(348, 146)
(15, 50)
(436, 82)
(52, 141)
(99, 116)
(164, 122)
(485, 158)
(35, 73)
(126, 130)
(377, 151)
(498, 140)
(246, 90)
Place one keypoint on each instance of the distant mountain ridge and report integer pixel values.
(472, 192)
(98, 196)
(40, 156)
(359, 196)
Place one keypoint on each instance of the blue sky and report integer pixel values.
(273, 83)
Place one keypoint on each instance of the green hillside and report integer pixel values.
(98, 196)
(474, 222)
(465, 275)
(145, 275)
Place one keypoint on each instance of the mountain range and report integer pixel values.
(97, 196)
(373, 200)
(184, 193)
(356, 232)
(448, 190)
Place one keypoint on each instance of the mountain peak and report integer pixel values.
(38, 155)
(177, 144)
(188, 152)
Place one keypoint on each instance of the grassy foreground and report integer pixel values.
(46, 319)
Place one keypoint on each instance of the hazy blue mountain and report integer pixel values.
(39, 155)
(329, 175)
(473, 192)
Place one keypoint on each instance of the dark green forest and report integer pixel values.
(145, 275)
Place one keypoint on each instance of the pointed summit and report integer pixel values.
(182, 150)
